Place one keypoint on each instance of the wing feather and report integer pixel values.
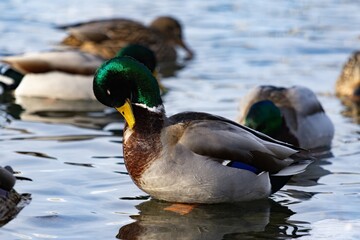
(219, 138)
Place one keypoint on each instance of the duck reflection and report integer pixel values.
(157, 220)
(348, 87)
(89, 114)
(352, 110)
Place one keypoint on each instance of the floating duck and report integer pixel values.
(293, 115)
(190, 157)
(348, 83)
(11, 202)
(106, 37)
(65, 75)
(7, 179)
(57, 74)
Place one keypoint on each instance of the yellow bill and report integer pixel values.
(127, 112)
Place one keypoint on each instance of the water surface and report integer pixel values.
(73, 151)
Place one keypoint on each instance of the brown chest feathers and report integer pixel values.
(143, 146)
(139, 152)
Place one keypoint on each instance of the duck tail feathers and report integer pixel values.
(279, 179)
(295, 168)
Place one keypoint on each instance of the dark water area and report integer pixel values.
(72, 151)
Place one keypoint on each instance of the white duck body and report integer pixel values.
(302, 111)
(63, 75)
(56, 85)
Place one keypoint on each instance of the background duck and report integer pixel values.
(190, 157)
(11, 202)
(7, 179)
(293, 115)
(106, 37)
(65, 75)
(56, 74)
(348, 83)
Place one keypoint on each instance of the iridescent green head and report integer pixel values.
(264, 117)
(141, 54)
(123, 81)
(123, 78)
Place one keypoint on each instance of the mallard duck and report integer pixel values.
(11, 202)
(293, 115)
(56, 74)
(190, 157)
(348, 83)
(106, 37)
(65, 75)
(7, 179)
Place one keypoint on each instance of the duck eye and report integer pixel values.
(108, 92)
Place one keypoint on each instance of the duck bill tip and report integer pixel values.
(126, 111)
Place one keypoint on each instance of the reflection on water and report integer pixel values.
(11, 205)
(352, 110)
(259, 219)
(89, 114)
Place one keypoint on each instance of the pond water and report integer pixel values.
(73, 151)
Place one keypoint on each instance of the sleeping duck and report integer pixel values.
(348, 84)
(293, 115)
(106, 37)
(65, 75)
(190, 157)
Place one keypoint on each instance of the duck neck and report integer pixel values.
(16, 76)
(143, 145)
(148, 120)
